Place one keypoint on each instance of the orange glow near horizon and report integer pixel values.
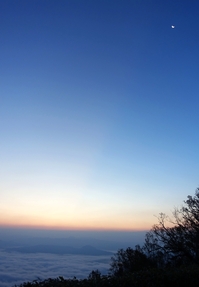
(80, 220)
(70, 227)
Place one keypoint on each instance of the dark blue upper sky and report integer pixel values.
(99, 111)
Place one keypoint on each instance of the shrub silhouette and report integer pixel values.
(179, 243)
(129, 260)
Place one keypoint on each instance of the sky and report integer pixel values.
(98, 112)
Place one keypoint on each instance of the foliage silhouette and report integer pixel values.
(167, 277)
(179, 243)
(129, 260)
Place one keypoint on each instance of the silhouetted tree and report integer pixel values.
(128, 261)
(176, 239)
(95, 275)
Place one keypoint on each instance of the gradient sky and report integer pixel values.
(98, 111)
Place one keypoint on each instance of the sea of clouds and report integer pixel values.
(16, 268)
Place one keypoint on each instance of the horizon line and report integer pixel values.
(61, 228)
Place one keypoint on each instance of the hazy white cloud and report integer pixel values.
(16, 268)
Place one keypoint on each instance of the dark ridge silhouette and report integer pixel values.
(122, 241)
(85, 250)
(4, 244)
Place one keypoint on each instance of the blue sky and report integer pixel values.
(99, 111)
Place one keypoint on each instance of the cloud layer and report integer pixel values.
(16, 268)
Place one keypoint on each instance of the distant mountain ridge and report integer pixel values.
(77, 242)
(55, 249)
(4, 244)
